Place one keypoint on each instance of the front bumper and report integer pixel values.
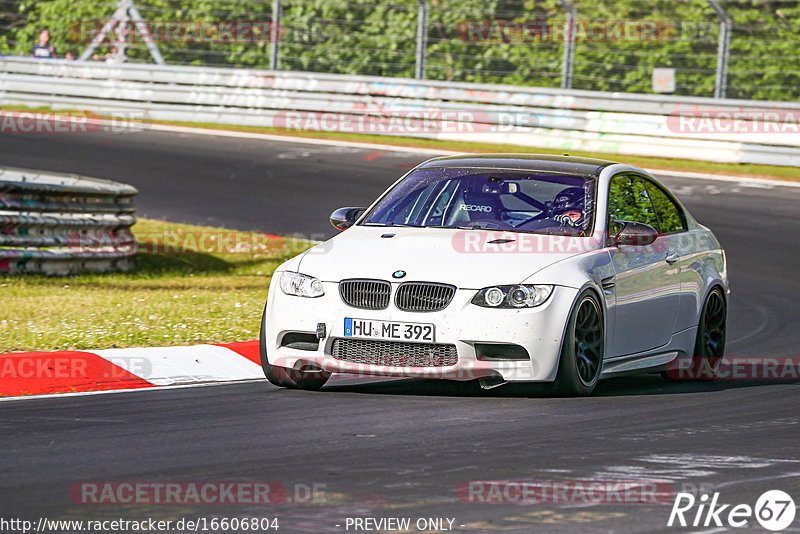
(539, 330)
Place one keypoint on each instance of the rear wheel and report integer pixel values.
(709, 347)
(582, 349)
(287, 377)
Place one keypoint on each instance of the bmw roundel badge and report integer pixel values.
(398, 274)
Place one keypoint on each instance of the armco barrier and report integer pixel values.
(616, 123)
(63, 223)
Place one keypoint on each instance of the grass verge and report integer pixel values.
(193, 287)
(746, 170)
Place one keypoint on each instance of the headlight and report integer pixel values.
(519, 296)
(301, 285)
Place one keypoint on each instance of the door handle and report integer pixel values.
(672, 257)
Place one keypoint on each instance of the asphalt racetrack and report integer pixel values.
(401, 448)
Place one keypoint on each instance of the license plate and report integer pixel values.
(391, 330)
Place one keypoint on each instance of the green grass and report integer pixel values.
(187, 296)
(774, 172)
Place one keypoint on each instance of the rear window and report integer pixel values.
(670, 216)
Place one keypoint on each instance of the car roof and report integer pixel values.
(575, 166)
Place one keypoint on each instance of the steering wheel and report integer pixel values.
(538, 217)
(485, 225)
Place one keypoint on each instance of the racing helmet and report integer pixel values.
(570, 202)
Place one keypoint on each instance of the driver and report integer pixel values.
(568, 207)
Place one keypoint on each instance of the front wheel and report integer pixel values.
(582, 349)
(286, 377)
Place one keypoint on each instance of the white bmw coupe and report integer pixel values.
(504, 268)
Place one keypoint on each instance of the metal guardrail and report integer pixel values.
(615, 123)
(61, 224)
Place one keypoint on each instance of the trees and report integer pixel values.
(379, 38)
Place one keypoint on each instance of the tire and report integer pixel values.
(709, 345)
(285, 377)
(582, 349)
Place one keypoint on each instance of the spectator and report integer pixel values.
(115, 56)
(71, 55)
(110, 57)
(44, 50)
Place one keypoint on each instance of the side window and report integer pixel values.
(628, 201)
(670, 216)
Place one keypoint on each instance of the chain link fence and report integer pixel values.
(603, 45)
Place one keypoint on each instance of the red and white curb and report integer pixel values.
(42, 373)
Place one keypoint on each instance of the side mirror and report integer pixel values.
(635, 234)
(344, 218)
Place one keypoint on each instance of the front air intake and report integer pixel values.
(423, 296)
(366, 294)
(394, 353)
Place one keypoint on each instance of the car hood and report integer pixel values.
(469, 259)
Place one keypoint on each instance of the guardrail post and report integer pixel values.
(275, 34)
(422, 39)
(723, 48)
(568, 61)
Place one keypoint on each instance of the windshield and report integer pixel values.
(489, 199)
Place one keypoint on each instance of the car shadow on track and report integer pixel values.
(612, 387)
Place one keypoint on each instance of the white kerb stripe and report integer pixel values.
(165, 366)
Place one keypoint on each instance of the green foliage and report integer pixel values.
(65, 18)
(669, 219)
(634, 199)
(628, 201)
(379, 38)
(349, 37)
(764, 49)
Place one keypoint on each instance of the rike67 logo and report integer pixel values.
(774, 510)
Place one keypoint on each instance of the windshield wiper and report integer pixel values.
(391, 224)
